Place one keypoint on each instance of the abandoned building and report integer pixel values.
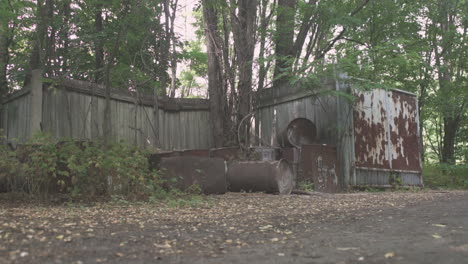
(338, 143)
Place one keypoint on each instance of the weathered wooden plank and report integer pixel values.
(71, 113)
(170, 104)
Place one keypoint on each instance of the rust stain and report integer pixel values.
(386, 131)
(404, 134)
(319, 164)
(370, 133)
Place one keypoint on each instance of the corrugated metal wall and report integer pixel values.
(386, 138)
(78, 113)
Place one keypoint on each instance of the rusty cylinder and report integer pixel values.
(184, 171)
(260, 176)
(299, 132)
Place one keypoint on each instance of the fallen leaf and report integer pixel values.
(60, 237)
(436, 236)
(162, 245)
(439, 225)
(347, 248)
(265, 227)
(389, 255)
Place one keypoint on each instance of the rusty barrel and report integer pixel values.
(185, 171)
(154, 159)
(260, 176)
(265, 153)
(300, 131)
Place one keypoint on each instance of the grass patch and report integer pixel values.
(446, 176)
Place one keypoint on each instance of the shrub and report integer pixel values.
(78, 168)
(446, 176)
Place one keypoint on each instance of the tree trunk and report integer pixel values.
(98, 46)
(445, 63)
(4, 57)
(40, 41)
(215, 79)
(264, 21)
(64, 37)
(284, 41)
(244, 33)
(171, 15)
(50, 48)
(448, 142)
(107, 124)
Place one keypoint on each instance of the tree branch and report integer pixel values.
(343, 31)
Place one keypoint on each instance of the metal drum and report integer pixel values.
(260, 176)
(183, 172)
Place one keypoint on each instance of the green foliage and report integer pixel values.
(306, 185)
(91, 169)
(395, 180)
(437, 175)
(197, 59)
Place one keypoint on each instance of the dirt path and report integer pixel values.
(390, 227)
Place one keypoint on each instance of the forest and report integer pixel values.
(242, 46)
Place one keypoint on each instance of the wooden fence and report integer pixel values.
(75, 109)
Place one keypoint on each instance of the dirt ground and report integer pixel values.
(386, 227)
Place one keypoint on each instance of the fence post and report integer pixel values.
(36, 101)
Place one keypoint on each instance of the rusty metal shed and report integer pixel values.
(376, 137)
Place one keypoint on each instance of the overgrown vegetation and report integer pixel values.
(82, 169)
(306, 185)
(437, 175)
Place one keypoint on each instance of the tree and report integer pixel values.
(284, 40)
(243, 16)
(215, 75)
(7, 27)
(448, 29)
(416, 46)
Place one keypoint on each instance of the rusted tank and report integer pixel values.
(300, 131)
(260, 176)
(154, 159)
(228, 153)
(195, 153)
(266, 153)
(184, 172)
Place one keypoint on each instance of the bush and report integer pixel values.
(437, 175)
(79, 168)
